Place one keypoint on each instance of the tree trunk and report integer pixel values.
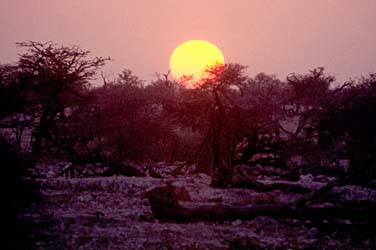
(165, 206)
(39, 135)
(222, 169)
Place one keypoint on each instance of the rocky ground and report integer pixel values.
(114, 213)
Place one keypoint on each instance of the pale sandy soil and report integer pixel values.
(114, 213)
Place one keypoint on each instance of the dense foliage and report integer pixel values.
(50, 108)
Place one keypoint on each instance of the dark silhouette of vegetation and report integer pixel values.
(54, 81)
(18, 198)
(228, 119)
(350, 121)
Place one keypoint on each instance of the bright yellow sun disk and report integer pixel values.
(190, 59)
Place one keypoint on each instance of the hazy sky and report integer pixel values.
(276, 37)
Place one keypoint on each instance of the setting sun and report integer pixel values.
(191, 58)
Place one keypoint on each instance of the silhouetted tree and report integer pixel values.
(134, 118)
(350, 119)
(55, 80)
(258, 112)
(11, 99)
(14, 112)
(307, 94)
(210, 107)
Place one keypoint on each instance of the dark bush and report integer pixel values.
(18, 197)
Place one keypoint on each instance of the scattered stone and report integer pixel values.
(311, 233)
(355, 193)
(236, 223)
(306, 178)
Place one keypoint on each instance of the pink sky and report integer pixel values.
(275, 37)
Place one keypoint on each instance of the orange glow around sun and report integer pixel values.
(190, 59)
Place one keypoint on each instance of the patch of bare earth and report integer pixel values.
(114, 213)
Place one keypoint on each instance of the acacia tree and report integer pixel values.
(350, 119)
(307, 95)
(14, 113)
(259, 111)
(55, 80)
(209, 107)
(134, 118)
(120, 105)
(11, 100)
